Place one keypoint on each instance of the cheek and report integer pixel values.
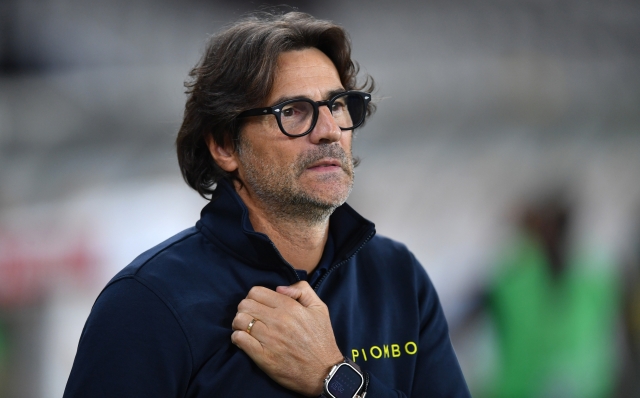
(276, 153)
(261, 136)
(261, 128)
(345, 141)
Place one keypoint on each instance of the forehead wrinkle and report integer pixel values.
(328, 94)
(310, 82)
(304, 73)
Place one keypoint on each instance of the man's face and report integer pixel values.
(303, 177)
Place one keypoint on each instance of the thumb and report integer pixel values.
(302, 293)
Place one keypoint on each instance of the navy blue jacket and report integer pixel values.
(162, 326)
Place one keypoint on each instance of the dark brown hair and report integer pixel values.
(236, 73)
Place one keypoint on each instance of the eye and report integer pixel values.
(296, 110)
(338, 106)
(288, 111)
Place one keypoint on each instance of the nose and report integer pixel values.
(326, 130)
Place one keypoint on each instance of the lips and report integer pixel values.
(321, 158)
(326, 163)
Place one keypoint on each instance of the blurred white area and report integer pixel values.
(112, 225)
(454, 206)
(480, 107)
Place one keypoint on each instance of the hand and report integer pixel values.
(292, 340)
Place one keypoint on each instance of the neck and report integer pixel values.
(300, 241)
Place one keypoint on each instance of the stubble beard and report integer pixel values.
(279, 189)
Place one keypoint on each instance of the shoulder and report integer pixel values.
(159, 274)
(144, 285)
(388, 252)
(118, 351)
(172, 249)
(389, 262)
(383, 244)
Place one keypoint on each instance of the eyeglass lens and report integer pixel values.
(347, 110)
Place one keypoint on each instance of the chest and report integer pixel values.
(375, 323)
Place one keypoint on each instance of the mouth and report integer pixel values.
(325, 164)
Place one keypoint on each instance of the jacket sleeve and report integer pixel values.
(131, 346)
(437, 372)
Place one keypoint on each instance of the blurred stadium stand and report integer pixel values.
(480, 104)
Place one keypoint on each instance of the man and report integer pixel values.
(281, 289)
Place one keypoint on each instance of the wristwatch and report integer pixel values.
(345, 380)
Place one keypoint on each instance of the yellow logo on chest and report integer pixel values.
(384, 351)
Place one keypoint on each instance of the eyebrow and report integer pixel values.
(330, 94)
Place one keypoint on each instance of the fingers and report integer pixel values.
(252, 307)
(291, 338)
(261, 304)
(302, 293)
(242, 320)
(267, 297)
(247, 343)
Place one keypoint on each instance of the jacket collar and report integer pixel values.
(225, 221)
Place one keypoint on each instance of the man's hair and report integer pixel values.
(236, 73)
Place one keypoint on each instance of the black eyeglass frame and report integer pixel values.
(276, 110)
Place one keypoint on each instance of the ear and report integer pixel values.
(224, 156)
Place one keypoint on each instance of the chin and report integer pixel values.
(332, 195)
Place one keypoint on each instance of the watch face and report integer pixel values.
(345, 382)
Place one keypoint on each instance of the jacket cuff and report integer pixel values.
(377, 389)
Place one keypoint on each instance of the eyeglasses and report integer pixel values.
(297, 117)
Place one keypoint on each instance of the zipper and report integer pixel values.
(341, 262)
(285, 261)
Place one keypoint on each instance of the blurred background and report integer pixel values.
(505, 153)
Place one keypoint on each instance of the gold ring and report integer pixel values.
(251, 325)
